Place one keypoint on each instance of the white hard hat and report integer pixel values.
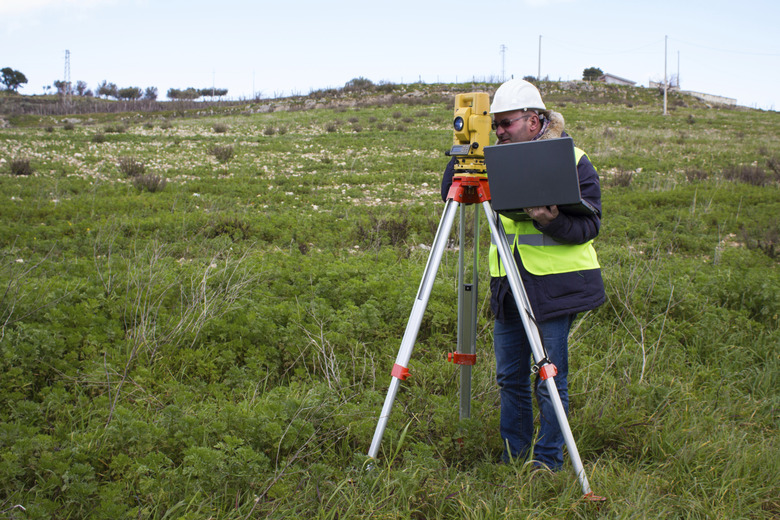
(516, 94)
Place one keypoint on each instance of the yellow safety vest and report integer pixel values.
(541, 254)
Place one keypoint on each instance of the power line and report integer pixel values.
(582, 50)
(746, 53)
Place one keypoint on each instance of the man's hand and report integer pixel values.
(542, 214)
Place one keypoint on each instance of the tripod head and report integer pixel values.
(472, 129)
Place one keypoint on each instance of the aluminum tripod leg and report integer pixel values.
(467, 310)
(521, 299)
(415, 320)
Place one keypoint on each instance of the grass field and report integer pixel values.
(200, 308)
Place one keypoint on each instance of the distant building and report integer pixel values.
(707, 98)
(711, 98)
(611, 79)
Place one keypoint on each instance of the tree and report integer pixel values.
(131, 93)
(213, 92)
(150, 93)
(12, 79)
(81, 88)
(592, 73)
(358, 84)
(63, 87)
(107, 90)
(189, 93)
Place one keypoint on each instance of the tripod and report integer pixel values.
(470, 189)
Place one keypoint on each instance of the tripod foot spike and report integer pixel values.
(590, 497)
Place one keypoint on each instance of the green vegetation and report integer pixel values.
(221, 348)
(592, 73)
(12, 79)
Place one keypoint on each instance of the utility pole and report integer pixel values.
(539, 71)
(503, 62)
(666, 81)
(66, 79)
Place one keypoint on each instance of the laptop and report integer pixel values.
(532, 174)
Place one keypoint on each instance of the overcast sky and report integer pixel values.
(730, 49)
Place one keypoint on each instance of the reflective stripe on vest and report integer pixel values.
(541, 254)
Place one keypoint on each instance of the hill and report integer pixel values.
(200, 309)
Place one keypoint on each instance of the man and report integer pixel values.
(561, 278)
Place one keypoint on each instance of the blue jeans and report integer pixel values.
(513, 370)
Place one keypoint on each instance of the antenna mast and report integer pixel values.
(66, 87)
(539, 71)
(666, 81)
(503, 61)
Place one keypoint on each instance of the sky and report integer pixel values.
(285, 47)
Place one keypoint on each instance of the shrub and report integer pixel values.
(116, 129)
(765, 238)
(749, 174)
(385, 86)
(99, 137)
(696, 174)
(379, 231)
(232, 227)
(149, 182)
(222, 153)
(358, 85)
(774, 164)
(131, 167)
(622, 179)
(68, 125)
(21, 166)
(269, 130)
(220, 128)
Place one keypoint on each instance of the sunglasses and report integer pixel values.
(506, 123)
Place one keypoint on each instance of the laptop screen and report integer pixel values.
(532, 174)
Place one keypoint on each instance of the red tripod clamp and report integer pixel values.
(469, 188)
(462, 359)
(545, 368)
(399, 372)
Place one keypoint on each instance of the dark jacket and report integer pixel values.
(554, 295)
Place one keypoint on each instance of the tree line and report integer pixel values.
(14, 80)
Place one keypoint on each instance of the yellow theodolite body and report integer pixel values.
(472, 132)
